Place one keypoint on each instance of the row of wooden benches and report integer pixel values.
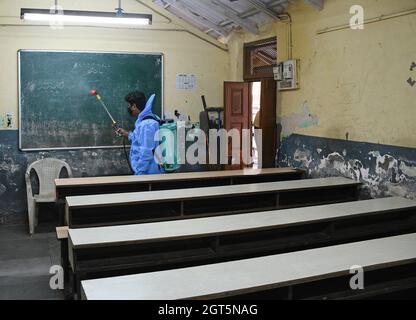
(122, 208)
(216, 234)
(389, 265)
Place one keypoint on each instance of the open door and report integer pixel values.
(268, 122)
(237, 116)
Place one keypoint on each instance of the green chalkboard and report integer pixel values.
(56, 110)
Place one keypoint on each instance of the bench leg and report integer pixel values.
(61, 213)
(69, 287)
(76, 284)
(68, 291)
(290, 293)
(65, 258)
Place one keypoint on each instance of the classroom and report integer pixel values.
(207, 150)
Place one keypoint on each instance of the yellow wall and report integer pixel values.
(184, 52)
(352, 80)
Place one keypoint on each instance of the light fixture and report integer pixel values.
(71, 16)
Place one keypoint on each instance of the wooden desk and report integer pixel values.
(122, 184)
(119, 184)
(241, 277)
(217, 226)
(127, 208)
(100, 252)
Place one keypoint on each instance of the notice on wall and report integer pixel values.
(186, 82)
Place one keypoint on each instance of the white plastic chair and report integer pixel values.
(47, 170)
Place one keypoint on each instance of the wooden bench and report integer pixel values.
(127, 208)
(108, 251)
(276, 276)
(121, 184)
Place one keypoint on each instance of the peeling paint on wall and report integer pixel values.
(408, 170)
(9, 122)
(303, 156)
(177, 115)
(384, 170)
(13, 164)
(2, 189)
(303, 119)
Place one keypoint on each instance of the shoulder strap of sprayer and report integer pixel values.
(153, 118)
(160, 122)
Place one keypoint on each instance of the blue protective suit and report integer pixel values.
(143, 143)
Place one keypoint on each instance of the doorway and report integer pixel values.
(255, 115)
(242, 102)
(263, 113)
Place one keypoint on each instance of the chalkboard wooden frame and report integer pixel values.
(160, 54)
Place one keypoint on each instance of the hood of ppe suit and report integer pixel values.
(147, 111)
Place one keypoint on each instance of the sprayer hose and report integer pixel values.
(127, 155)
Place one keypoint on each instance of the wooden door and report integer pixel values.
(237, 113)
(268, 122)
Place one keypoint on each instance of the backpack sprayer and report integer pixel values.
(169, 126)
(115, 124)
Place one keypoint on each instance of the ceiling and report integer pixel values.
(218, 18)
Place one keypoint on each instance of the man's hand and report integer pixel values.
(122, 132)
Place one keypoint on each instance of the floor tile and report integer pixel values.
(38, 289)
(24, 249)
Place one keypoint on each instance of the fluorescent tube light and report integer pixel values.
(71, 16)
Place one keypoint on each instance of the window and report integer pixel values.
(259, 59)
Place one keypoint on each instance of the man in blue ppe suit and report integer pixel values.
(143, 144)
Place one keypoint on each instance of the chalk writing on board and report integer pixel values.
(55, 106)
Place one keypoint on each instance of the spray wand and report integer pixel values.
(95, 94)
(115, 125)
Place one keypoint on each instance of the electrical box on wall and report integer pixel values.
(278, 72)
(286, 74)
